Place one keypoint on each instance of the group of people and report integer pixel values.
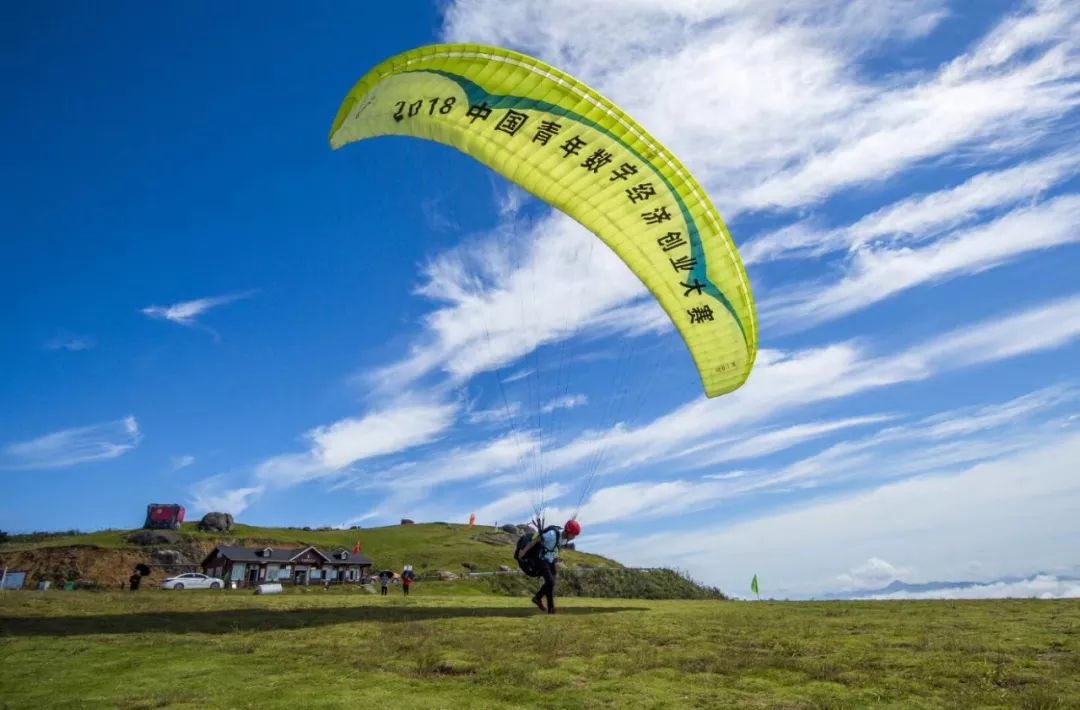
(407, 577)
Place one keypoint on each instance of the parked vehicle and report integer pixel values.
(193, 580)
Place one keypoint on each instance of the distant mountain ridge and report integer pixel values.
(897, 586)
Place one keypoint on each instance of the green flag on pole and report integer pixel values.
(753, 585)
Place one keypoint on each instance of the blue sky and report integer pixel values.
(206, 305)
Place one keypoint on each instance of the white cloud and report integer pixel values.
(1018, 512)
(381, 432)
(334, 447)
(645, 500)
(781, 383)
(878, 273)
(70, 447)
(940, 442)
(515, 506)
(1043, 327)
(514, 450)
(506, 295)
(824, 124)
(984, 99)
(212, 495)
(1039, 586)
(937, 443)
(918, 218)
(179, 462)
(71, 343)
(773, 440)
(496, 415)
(872, 574)
(785, 382)
(187, 312)
(569, 401)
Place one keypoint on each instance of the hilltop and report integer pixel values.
(106, 558)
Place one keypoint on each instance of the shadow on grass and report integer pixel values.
(229, 621)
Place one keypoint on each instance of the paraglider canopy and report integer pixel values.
(566, 144)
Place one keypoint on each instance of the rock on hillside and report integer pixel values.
(216, 522)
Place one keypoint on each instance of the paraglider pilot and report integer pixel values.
(549, 542)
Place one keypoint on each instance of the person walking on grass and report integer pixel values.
(546, 546)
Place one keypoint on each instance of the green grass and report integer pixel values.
(309, 648)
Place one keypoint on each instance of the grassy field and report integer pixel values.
(438, 649)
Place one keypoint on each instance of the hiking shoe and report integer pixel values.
(539, 603)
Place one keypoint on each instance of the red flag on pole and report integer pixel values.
(356, 548)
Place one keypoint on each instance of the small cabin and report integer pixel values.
(249, 566)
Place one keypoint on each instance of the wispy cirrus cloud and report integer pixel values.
(878, 273)
(71, 343)
(334, 447)
(214, 494)
(824, 125)
(1038, 586)
(569, 401)
(71, 447)
(516, 506)
(179, 462)
(187, 313)
(1015, 512)
(783, 383)
(941, 443)
(775, 439)
(493, 286)
(921, 218)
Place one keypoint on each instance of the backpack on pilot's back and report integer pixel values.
(531, 563)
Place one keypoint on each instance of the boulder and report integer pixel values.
(168, 557)
(154, 537)
(446, 576)
(216, 522)
(504, 568)
(406, 521)
(512, 529)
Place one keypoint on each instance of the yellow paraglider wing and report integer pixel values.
(563, 142)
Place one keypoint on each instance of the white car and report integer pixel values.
(192, 580)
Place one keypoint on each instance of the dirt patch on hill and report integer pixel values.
(104, 567)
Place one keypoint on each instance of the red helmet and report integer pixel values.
(572, 527)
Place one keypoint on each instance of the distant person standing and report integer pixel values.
(384, 580)
(406, 582)
(134, 580)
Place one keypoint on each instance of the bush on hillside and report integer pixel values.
(39, 536)
(612, 582)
